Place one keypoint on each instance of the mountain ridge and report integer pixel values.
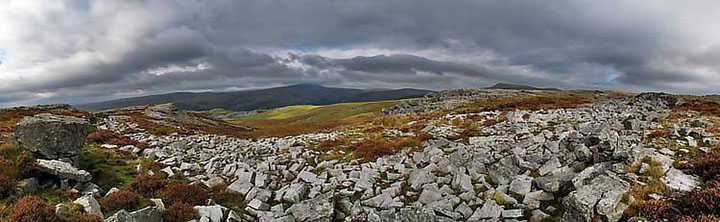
(246, 100)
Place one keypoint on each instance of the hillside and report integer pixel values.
(454, 155)
(293, 120)
(301, 94)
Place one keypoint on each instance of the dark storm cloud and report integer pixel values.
(78, 51)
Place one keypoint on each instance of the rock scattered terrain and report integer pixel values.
(571, 164)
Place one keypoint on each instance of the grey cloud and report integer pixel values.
(92, 50)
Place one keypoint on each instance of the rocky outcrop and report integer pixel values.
(601, 200)
(52, 136)
(517, 169)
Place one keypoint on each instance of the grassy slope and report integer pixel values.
(294, 120)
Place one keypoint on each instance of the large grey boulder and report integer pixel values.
(52, 136)
(598, 201)
(320, 208)
(63, 170)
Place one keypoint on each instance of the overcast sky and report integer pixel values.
(75, 51)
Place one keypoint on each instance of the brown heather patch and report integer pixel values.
(705, 107)
(654, 210)
(706, 165)
(544, 102)
(701, 218)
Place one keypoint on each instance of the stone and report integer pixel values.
(147, 214)
(63, 170)
(53, 137)
(503, 171)
(555, 182)
(420, 177)
(90, 204)
(121, 216)
(111, 191)
(295, 193)
(550, 166)
(28, 186)
(521, 185)
(383, 201)
(430, 194)
(168, 171)
(489, 210)
(320, 208)
(258, 205)
(679, 181)
(462, 182)
(538, 216)
(240, 186)
(214, 181)
(601, 200)
(514, 213)
(158, 203)
(214, 213)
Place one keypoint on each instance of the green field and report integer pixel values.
(293, 120)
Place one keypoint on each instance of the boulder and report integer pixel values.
(147, 214)
(52, 136)
(320, 208)
(121, 216)
(419, 177)
(63, 170)
(489, 210)
(557, 182)
(679, 181)
(211, 213)
(90, 204)
(598, 201)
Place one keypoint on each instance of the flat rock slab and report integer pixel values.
(63, 170)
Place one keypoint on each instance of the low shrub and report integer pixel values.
(102, 136)
(706, 165)
(180, 212)
(26, 164)
(707, 199)
(85, 217)
(31, 209)
(7, 186)
(66, 194)
(148, 185)
(654, 210)
(8, 169)
(232, 200)
(184, 193)
(124, 199)
(701, 218)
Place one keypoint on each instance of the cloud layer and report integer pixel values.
(79, 51)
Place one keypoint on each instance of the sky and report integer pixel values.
(77, 51)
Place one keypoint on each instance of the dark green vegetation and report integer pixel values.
(302, 94)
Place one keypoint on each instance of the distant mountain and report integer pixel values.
(517, 87)
(301, 94)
